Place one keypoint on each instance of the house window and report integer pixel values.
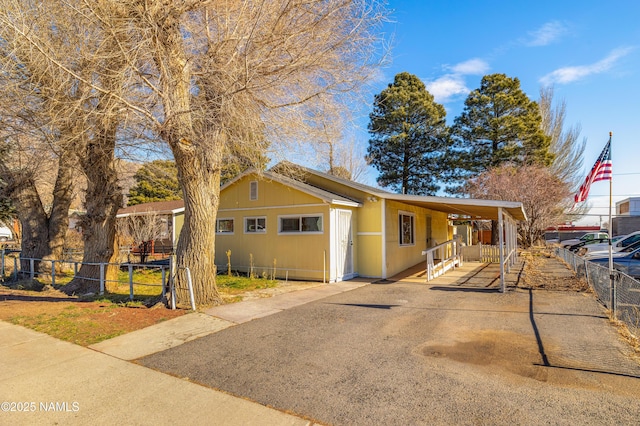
(224, 226)
(296, 224)
(255, 224)
(407, 229)
(253, 190)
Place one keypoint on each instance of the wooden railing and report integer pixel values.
(481, 253)
(442, 257)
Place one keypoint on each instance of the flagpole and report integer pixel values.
(611, 276)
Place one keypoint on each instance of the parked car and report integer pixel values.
(577, 247)
(628, 264)
(5, 234)
(603, 248)
(605, 253)
(586, 237)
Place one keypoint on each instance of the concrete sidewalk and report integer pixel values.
(44, 380)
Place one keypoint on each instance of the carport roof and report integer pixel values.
(474, 208)
(310, 181)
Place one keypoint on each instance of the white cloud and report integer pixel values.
(570, 74)
(446, 87)
(547, 34)
(453, 83)
(471, 67)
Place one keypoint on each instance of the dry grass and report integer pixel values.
(631, 338)
(541, 271)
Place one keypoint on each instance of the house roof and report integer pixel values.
(315, 191)
(474, 208)
(158, 207)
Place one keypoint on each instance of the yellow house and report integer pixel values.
(322, 227)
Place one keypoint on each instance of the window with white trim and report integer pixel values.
(253, 190)
(406, 229)
(301, 223)
(255, 224)
(224, 226)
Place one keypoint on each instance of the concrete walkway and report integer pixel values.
(44, 380)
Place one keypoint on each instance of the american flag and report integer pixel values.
(600, 171)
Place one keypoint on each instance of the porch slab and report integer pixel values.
(470, 274)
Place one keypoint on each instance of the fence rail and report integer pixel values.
(623, 299)
(481, 253)
(58, 270)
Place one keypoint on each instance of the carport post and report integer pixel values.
(501, 248)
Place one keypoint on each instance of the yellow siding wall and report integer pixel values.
(369, 239)
(400, 257)
(298, 256)
(178, 223)
(307, 256)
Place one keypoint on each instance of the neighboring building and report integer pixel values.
(325, 228)
(627, 219)
(628, 207)
(170, 218)
(566, 232)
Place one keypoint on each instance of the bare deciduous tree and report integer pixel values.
(212, 79)
(78, 75)
(230, 75)
(568, 151)
(141, 230)
(540, 191)
(37, 135)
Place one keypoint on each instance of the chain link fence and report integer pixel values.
(619, 288)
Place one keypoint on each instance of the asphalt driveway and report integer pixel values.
(406, 353)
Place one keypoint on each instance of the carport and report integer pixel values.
(507, 213)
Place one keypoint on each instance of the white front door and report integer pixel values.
(343, 246)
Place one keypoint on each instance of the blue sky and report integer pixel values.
(589, 51)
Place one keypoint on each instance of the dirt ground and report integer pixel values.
(69, 318)
(543, 271)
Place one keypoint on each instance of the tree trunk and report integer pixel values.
(62, 197)
(103, 199)
(196, 245)
(35, 233)
(198, 156)
(43, 235)
(495, 233)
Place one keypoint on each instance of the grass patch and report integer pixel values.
(72, 324)
(232, 285)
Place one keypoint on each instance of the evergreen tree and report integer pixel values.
(499, 125)
(155, 181)
(408, 137)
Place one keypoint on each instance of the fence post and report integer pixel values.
(3, 261)
(32, 268)
(612, 278)
(172, 285)
(164, 283)
(53, 272)
(75, 269)
(190, 284)
(130, 266)
(15, 269)
(101, 279)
